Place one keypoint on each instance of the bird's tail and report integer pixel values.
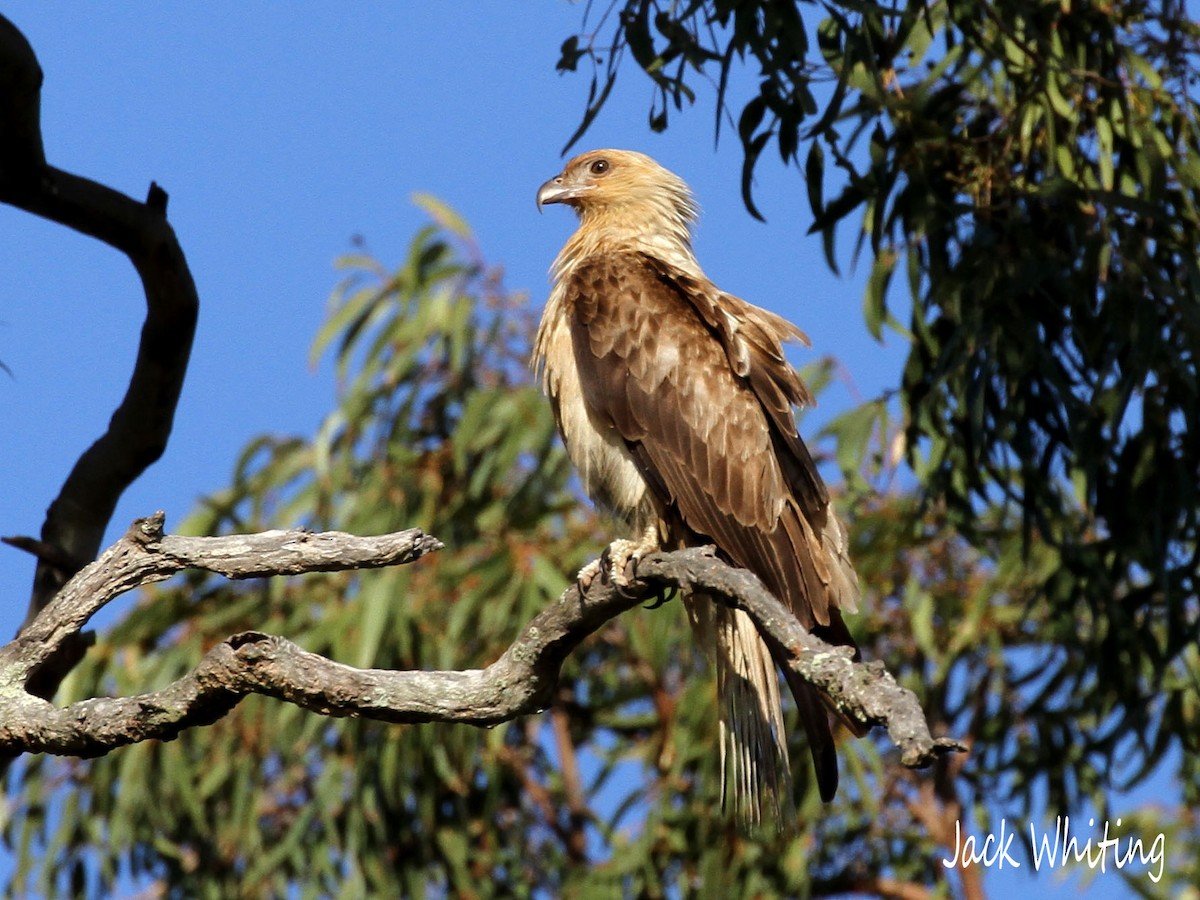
(754, 757)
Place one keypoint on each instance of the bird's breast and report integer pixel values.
(605, 466)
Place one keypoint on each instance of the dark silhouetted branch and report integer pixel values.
(141, 424)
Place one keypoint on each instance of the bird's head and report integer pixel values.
(622, 189)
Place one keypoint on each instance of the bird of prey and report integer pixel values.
(675, 403)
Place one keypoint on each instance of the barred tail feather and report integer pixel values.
(754, 757)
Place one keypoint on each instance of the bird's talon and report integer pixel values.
(662, 598)
(587, 575)
(622, 590)
(605, 564)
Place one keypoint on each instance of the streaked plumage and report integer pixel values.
(674, 400)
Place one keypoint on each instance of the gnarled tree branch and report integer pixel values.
(521, 681)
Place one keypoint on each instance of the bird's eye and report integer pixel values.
(599, 167)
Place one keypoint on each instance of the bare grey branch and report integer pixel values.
(520, 682)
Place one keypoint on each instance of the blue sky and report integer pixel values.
(281, 131)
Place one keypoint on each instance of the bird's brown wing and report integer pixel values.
(696, 384)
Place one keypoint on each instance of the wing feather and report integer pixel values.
(696, 384)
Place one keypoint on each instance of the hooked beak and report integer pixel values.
(556, 190)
